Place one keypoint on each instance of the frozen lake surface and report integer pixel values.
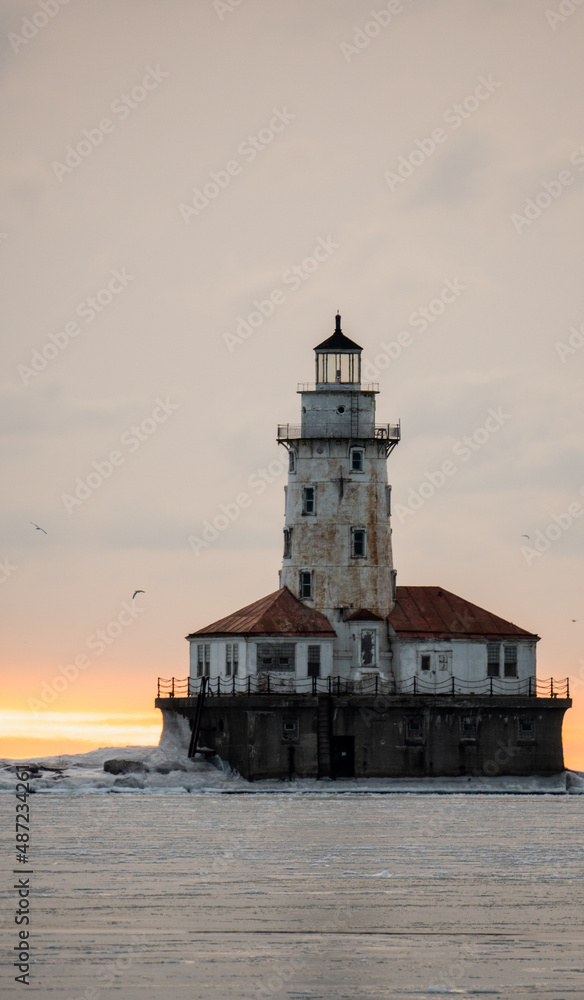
(152, 895)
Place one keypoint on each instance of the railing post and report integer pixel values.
(376, 678)
(453, 685)
(338, 685)
(491, 691)
(172, 688)
(567, 687)
(218, 685)
(233, 685)
(529, 689)
(313, 685)
(249, 683)
(551, 687)
(329, 683)
(268, 676)
(415, 683)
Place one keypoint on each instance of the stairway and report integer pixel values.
(324, 735)
(197, 720)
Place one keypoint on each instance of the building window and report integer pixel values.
(415, 729)
(510, 664)
(204, 659)
(493, 659)
(291, 461)
(359, 542)
(388, 500)
(527, 729)
(287, 543)
(425, 661)
(444, 661)
(314, 661)
(231, 659)
(276, 656)
(305, 584)
(309, 500)
(290, 728)
(368, 647)
(468, 727)
(357, 459)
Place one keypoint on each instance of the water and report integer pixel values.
(147, 895)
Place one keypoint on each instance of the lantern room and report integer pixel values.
(338, 360)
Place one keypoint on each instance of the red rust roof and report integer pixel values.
(279, 613)
(433, 613)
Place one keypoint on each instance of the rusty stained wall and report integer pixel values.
(322, 542)
(248, 733)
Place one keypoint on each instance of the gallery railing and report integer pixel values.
(266, 683)
(383, 432)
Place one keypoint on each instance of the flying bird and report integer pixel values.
(37, 528)
(138, 592)
(525, 536)
(574, 619)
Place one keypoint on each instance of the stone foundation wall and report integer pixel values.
(277, 736)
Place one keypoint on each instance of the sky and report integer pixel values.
(189, 193)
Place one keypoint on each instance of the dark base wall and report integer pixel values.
(277, 736)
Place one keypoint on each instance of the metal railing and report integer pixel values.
(383, 432)
(267, 683)
(350, 386)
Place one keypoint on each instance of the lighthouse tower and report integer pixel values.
(337, 534)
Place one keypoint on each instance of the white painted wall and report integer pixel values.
(468, 660)
(248, 655)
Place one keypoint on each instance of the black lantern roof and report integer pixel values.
(338, 343)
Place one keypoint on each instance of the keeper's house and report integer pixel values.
(340, 672)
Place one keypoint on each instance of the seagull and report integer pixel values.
(525, 536)
(138, 592)
(574, 619)
(37, 528)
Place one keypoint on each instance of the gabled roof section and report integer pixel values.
(364, 615)
(338, 341)
(434, 613)
(278, 614)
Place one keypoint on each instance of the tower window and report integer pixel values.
(359, 542)
(309, 500)
(203, 659)
(493, 659)
(510, 664)
(314, 661)
(388, 500)
(425, 661)
(357, 459)
(305, 581)
(287, 543)
(291, 460)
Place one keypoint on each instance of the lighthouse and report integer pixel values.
(340, 672)
(337, 554)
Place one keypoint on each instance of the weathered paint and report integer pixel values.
(249, 733)
(345, 499)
